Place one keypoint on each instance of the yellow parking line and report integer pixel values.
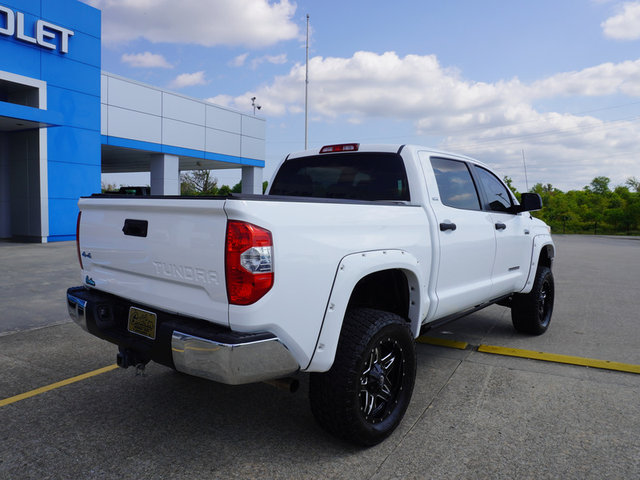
(53, 386)
(533, 355)
(442, 342)
(556, 358)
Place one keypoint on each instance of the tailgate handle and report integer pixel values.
(135, 228)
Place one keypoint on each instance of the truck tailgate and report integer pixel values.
(168, 253)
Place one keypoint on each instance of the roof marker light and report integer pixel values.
(344, 147)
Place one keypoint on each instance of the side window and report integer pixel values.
(498, 195)
(455, 184)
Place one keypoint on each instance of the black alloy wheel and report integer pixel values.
(531, 312)
(365, 394)
(381, 380)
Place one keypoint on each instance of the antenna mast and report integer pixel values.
(526, 180)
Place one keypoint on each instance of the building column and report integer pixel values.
(252, 180)
(165, 174)
(44, 185)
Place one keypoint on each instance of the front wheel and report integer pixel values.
(531, 312)
(365, 394)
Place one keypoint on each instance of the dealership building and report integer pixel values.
(64, 122)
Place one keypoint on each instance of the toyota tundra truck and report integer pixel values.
(353, 252)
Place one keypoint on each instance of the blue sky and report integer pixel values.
(559, 80)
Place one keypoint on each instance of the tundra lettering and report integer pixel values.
(184, 272)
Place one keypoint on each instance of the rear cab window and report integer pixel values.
(369, 176)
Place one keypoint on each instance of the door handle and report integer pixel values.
(500, 226)
(447, 226)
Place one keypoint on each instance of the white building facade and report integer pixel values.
(148, 129)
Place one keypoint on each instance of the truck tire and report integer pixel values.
(365, 394)
(531, 312)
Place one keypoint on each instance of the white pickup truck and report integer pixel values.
(352, 253)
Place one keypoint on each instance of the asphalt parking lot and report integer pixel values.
(473, 414)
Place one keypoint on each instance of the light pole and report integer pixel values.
(306, 92)
(255, 105)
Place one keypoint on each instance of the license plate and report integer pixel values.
(142, 322)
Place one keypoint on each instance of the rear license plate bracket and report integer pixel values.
(142, 322)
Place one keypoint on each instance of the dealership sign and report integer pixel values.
(12, 24)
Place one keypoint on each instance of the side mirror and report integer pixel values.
(529, 202)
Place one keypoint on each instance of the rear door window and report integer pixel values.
(455, 184)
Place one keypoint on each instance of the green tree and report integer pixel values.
(632, 213)
(594, 213)
(109, 187)
(198, 182)
(509, 182)
(224, 191)
(633, 183)
(599, 185)
(614, 214)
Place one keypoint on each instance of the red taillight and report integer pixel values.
(344, 147)
(249, 262)
(78, 240)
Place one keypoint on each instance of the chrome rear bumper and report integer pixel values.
(211, 352)
(77, 310)
(231, 363)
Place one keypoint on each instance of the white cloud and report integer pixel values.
(604, 79)
(625, 25)
(239, 61)
(223, 100)
(145, 60)
(253, 23)
(273, 59)
(493, 121)
(188, 80)
(418, 88)
(370, 84)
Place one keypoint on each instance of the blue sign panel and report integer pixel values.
(58, 42)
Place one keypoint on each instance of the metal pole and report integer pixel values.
(306, 92)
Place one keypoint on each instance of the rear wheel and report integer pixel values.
(365, 394)
(531, 312)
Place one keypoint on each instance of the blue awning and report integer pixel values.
(14, 117)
